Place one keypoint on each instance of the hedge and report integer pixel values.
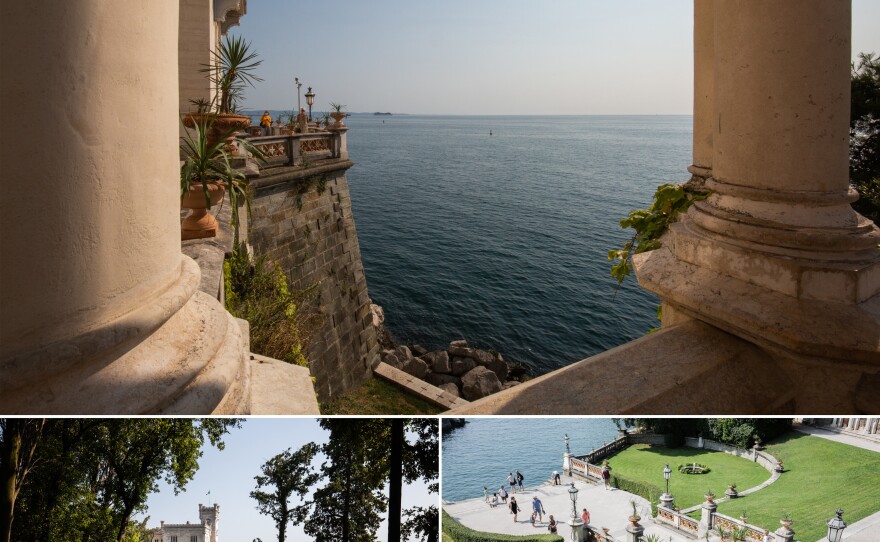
(459, 533)
(642, 489)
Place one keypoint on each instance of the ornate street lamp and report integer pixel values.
(667, 472)
(310, 101)
(567, 440)
(573, 495)
(298, 85)
(836, 526)
(666, 499)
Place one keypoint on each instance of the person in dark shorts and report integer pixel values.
(514, 508)
(519, 480)
(538, 507)
(552, 525)
(606, 475)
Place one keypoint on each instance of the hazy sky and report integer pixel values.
(486, 56)
(229, 476)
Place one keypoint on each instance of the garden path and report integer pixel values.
(852, 440)
(608, 508)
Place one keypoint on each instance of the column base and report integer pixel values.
(191, 361)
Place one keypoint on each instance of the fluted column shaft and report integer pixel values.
(704, 81)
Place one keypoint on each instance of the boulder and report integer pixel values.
(478, 383)
(451, 389)
(415, 367)
(391, 358)
(438, 361)
(491, 361)
(418, 350)
(439, 380)
(403, 353)
(462, 365)
(459, 348)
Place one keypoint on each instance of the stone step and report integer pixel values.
(419, 388)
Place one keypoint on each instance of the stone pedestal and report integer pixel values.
(566, 463)
(666, 500)
(707, 517)
(577, 529)
(634, 532)
(784, 534)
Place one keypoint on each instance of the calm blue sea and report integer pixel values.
(485, 450)
(503, 239)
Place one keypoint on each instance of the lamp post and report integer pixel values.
(836, 526)
(574, 521)
(666, 499)
(566, 457)
(567, 440)
(298, 85)
(310, 100)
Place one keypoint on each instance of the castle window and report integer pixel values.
(194, 538)
(173, 539)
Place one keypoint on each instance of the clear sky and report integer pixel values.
(489, 57)
(229, 476)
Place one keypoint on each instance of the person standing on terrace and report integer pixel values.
(265, 123)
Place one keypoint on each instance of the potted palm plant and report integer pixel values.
(234, 69)
(205, 175)
(338, 114)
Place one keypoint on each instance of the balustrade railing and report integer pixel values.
(752, 532)
(298, 149)
(677, 520)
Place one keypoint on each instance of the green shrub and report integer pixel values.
(259, 294)
(642, 489)
(741, 431)
(459, 533)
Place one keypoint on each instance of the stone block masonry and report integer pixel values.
(301, 218)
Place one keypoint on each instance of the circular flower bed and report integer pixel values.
(693, 468)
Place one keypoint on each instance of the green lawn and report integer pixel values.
(644, 462)
(379, 397)
(821, 475)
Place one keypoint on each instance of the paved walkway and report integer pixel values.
(844, 438)
(608, 508)
(864, 530)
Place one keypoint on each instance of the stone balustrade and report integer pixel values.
(753, 532)
(677, 520)
(300, 149)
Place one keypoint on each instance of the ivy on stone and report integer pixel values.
(670, 200)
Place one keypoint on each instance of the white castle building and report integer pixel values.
(204, 531)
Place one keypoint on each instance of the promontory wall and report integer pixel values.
(301, 218)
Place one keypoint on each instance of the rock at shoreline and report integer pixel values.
(450, 388)
(437, 379)
(459, 348)
(438, 361)
(416, 367)
(493, 362)
(461, 366)
(478, 383)
(418, 350)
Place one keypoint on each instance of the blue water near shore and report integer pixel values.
(503, 239)
(485, 450)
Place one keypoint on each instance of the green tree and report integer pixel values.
(19, 439)
(864, 134)
(92, 475)
(288, 473)
(421, 461)
(348, 507)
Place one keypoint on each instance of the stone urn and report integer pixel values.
(731, 491)
(338, 118)
(200, 223)
(222, 124)
(710, 498)
(786, 522)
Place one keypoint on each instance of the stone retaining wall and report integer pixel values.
(302, 219)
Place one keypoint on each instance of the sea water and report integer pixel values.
(485, 450)
(502, 239)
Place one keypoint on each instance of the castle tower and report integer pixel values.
(209, 516)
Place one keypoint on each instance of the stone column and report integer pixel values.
(634, 532)
(101, 312)
(566, 463)
(577, 529)
(776, 255)
(666, 500)
(704, 46)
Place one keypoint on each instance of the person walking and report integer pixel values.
(511, 481)
(519, 480)
(265, 123)
(586, 517)
(538, 507)
(514, 508)
(606, 475)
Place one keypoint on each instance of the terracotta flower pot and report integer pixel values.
(223, 123)
(200, 223)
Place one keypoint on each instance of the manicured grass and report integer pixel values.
(645, 462)
(378, 397)
(821, 475)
